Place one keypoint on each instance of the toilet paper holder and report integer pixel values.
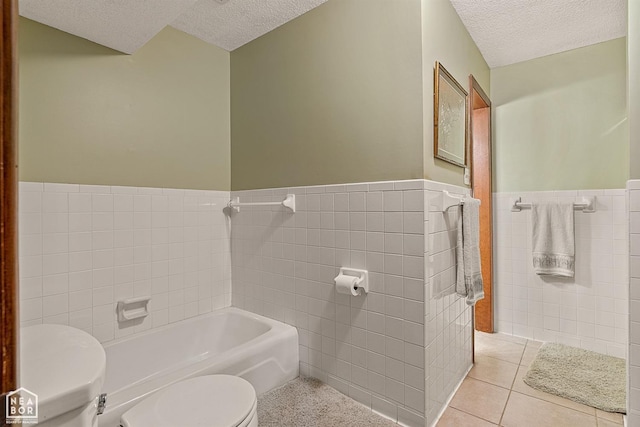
(363, 275)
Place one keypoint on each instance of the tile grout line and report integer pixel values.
(473, 415)
(505, 408)
(488, 383)
(512, 382)
(520, 364)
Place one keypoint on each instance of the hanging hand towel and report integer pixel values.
(553, 239)
(469, 274)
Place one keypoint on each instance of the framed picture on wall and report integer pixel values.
(449, 118)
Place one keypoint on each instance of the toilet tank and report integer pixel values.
(65, 368)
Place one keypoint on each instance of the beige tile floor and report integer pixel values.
(494, 394)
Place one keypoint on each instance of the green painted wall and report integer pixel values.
(342, 94)
(445, 39)
(90, 115)
(560, 122)
(334, 96)
(633, 59)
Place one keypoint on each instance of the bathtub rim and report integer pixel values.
(272, 323)
(131, 394)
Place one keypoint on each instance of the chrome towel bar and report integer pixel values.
(588, 204)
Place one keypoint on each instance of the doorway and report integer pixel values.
(481, 185)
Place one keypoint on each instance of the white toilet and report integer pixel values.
(207, 401)
(65, 368)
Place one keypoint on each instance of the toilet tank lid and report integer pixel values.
(63, 365)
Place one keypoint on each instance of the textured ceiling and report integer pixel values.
(510, 31)
(232, 24)
(126, 25)
(506, 31)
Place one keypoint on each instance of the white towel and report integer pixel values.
(469, 273)
(553, 239)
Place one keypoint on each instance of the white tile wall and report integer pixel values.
(83, 248)
(374, 348)
(400, 350)
(447, 317)
(589, 311)
(633, 389)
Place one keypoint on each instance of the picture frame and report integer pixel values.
(449, 118)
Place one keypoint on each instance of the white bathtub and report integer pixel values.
(229, 341)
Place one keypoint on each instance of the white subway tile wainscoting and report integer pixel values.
(84, 247)
(633, 366)
(589, 311)
(403, 348)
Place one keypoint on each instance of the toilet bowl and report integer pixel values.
(206, 401)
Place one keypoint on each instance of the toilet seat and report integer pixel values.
(207, 401)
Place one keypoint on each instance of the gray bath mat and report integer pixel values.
(310, 403)
(583, 376)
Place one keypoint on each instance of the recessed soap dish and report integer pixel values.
(133, 308)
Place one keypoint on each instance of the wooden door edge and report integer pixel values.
(8, 200)
(474, 85)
